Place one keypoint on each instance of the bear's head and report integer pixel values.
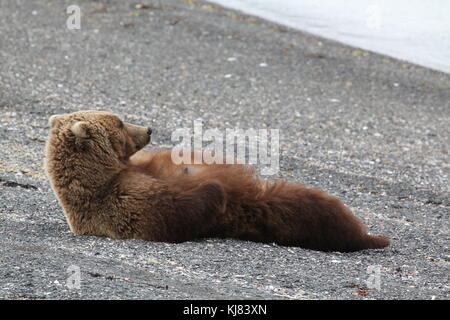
(97, 133)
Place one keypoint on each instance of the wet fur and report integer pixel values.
(108, 187)
(286, 213)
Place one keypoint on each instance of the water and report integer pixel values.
(417, 31)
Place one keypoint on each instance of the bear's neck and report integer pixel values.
(81, 177)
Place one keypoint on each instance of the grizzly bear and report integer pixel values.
(108, 186)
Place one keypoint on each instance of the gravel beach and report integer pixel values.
(371, 130)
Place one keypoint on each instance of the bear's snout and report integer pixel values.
(139, 134)
(149, 131)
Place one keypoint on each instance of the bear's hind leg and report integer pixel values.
(195, 212)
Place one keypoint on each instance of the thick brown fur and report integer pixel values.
(108, 186)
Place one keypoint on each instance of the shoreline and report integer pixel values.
(372, 27)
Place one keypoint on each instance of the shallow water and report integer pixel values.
(417, 31)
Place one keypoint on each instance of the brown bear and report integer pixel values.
(108, 186)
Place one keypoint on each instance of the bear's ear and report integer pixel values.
(53, 120)
(80, 129)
